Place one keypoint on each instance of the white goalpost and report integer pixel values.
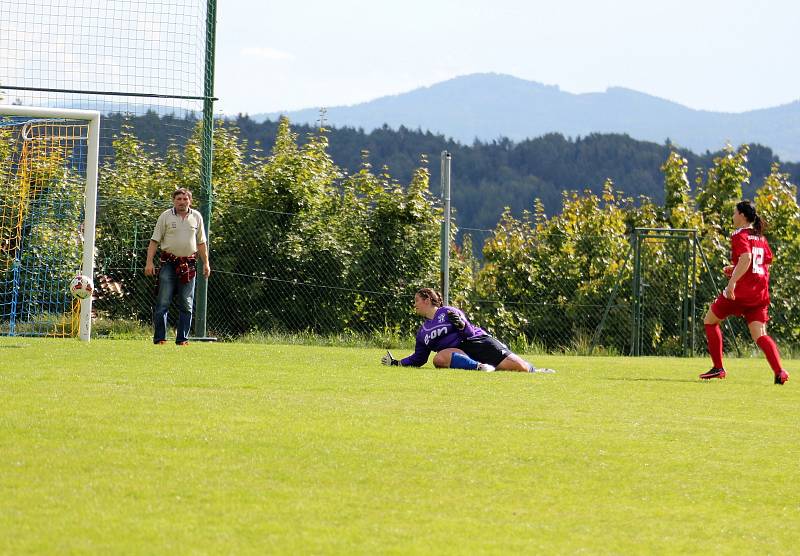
(49, 161)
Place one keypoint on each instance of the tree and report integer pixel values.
(776, 203)
(722, 188)
(679, 206)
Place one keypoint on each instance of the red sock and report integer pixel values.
(769, 348)
(714, 337)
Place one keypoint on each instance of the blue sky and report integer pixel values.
(731, 55)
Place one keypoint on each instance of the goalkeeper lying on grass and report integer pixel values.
(458, 343)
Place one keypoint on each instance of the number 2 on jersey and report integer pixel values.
(758, 260)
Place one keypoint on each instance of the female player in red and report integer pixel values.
(747, 292)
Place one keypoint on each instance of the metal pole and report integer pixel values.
(207, 187)
(90, 210)
(445, 249)
(685, 298)
(635, 295)
(694, 291)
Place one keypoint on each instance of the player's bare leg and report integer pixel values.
(515, 363)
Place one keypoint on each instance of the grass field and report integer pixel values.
(125, 447)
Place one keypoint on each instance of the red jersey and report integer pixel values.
(753, 287)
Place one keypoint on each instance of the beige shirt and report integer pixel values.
(179, 236)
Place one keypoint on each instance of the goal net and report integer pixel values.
(48, 195)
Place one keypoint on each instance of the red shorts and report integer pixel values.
(724, 308)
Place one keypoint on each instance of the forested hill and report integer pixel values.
(486, 177)
(490, 105)
(489, 176)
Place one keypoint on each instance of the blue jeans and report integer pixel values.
(168, 286)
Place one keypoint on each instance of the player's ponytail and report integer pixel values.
(748, 210)
(758, 225)
(433, 295)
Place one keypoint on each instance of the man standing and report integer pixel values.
(180, 234)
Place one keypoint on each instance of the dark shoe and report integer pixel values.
(160, 342)
(182, 343)
(781, 377)
(714, 373)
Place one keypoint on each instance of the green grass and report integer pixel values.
(125, 447)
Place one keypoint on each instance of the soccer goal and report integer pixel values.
(48, 195)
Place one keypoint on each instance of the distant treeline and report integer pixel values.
(486, 176)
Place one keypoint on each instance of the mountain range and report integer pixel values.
(488, 106)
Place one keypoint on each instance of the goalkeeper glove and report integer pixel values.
(456, 319)
(389, 360)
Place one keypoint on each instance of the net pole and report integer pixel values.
(694, 289)
(445, 249)
(90, 221)
(201, 293)
(635, 294)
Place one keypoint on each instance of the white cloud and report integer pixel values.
(266, 53)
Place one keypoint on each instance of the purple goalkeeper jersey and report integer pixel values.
(437, 334)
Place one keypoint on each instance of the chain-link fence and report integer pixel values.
(123, 59)
(278, 273)
(273, 272)
(648, 297)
